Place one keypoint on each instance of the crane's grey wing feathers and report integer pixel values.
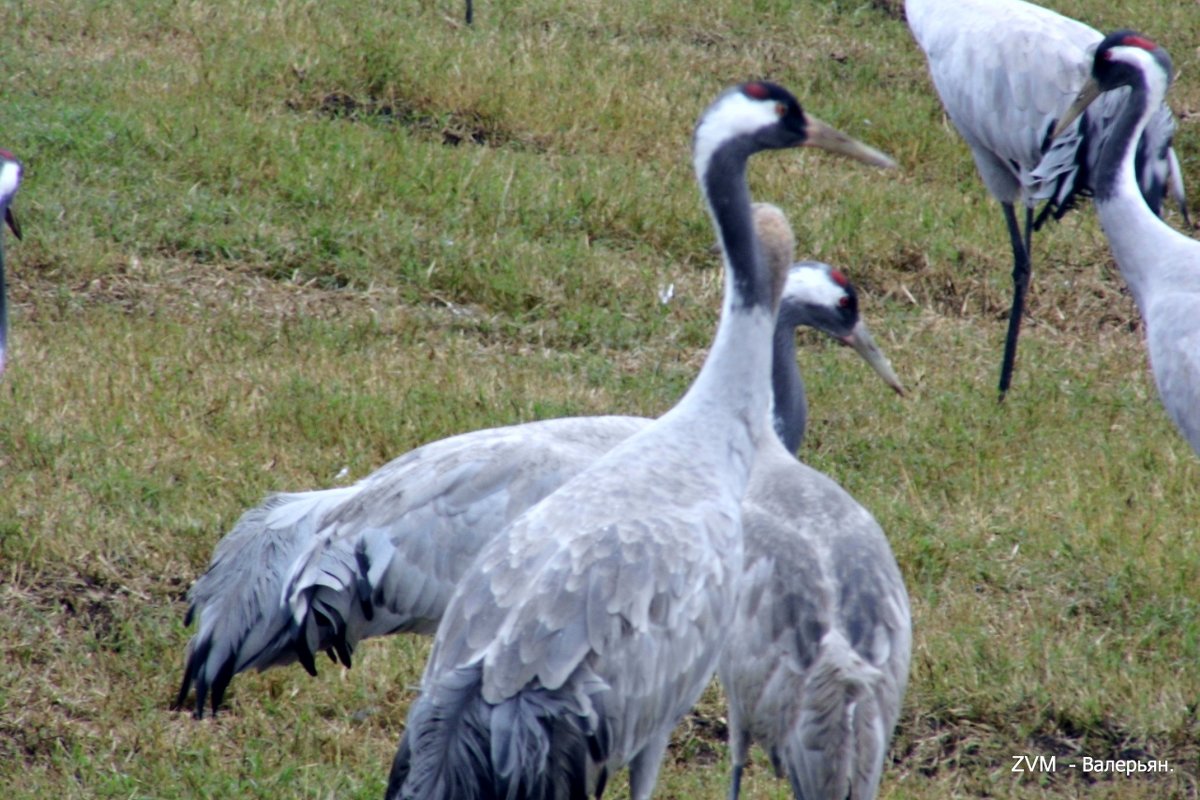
(1030, 65)
(1005, 72)
(390, 559)
(240, 622)
(377, 557)
(601, 607)
(817, 659)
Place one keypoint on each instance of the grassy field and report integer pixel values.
(271, 245)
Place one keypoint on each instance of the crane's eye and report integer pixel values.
(780, 110)
(843, 301)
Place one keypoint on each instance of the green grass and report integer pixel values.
(269, 242)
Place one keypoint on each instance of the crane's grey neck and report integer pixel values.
(724, 180)
(3, 303)
(1119, 154)
(789, 410)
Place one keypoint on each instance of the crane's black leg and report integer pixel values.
(1021, 243)
(470, 12)
(735, 783)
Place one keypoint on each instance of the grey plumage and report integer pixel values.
(821, 635)
(1006, 70)
(1160, 265)
(817, 657)
(816, 660)
(10, 181)
(379, 557)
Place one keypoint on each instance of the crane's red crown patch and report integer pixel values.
(757, 91)
(1139, 41)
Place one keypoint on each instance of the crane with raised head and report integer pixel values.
(587, 628)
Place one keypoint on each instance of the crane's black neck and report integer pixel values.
(728, 196)
(1121, 146)
(790, 410)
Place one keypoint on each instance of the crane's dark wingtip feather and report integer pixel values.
(11, 219)
(193, 671)
(303, 654)
(363, 585)
(221, 682)
(184, 688)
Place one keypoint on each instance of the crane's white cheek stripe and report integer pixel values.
(811, 285)
(733, 115)
(1157, 81)
(10, 178)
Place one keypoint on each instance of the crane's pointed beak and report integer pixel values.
(827, 137)
(864, 344)
(11, 219)
(1089, 92)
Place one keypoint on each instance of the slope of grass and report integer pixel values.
(270, 246)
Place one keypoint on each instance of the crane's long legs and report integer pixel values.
(1021, 245)
(739, 750)
(643, 768)
(735, 783)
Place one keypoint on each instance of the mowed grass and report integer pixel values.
(270, 246)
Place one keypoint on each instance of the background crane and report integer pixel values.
(1006, 70)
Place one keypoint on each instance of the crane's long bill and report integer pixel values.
(1089, 92)
(864, 344)
(827, 137)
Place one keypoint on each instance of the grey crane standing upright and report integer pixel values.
(588, 627)
(1160, 264)
(1006, 70)
(10, 181)
(816, 661)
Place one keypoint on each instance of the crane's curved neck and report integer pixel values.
(1117, 167)
(724, 182)
(1129, 224)
(731, 395)
(789, 400)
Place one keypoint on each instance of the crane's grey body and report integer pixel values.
(10, 181)
(817, 658)
(1006, 70)
(1161, 265)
